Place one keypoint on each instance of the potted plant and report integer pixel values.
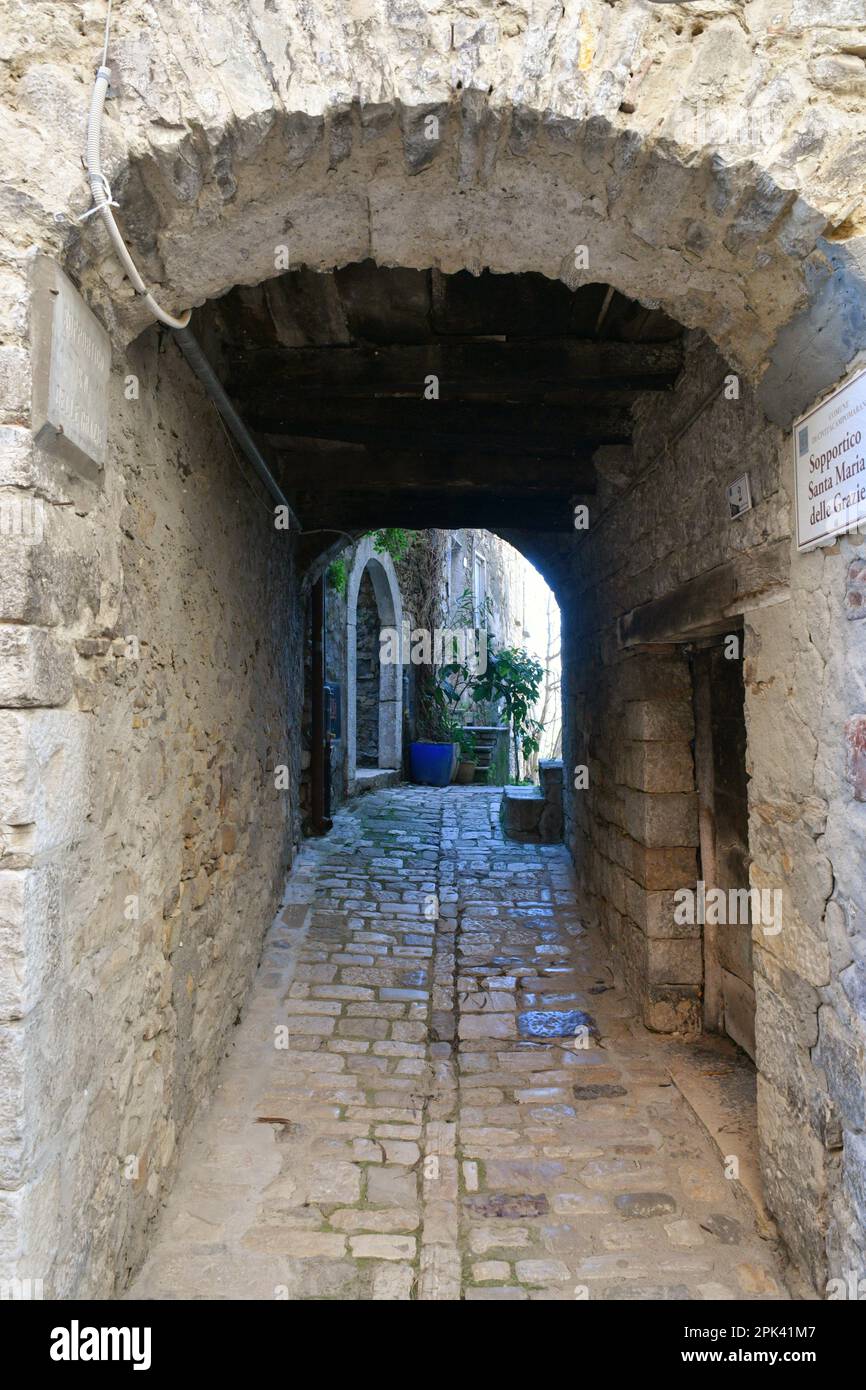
(467, 757)
(433, 756)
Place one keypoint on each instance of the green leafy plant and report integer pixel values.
(464, 612)
(338, 575)
(513, 680)
(436, 720)
(468, 746)
(391, 540)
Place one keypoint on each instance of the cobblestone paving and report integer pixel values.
(437, 1107)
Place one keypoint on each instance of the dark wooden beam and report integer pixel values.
(485, 369)
(707, 604)
(350, 511)
(381, 471)
(441, 426)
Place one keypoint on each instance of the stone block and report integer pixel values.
(550, 823)
(34, 669)
(854, 1173)
(841, 1056)
(643, 677)
(669, 721)
(613, 880)
(671, 1008)
(15, 384)
(655, 767)
(659, 819)
(675, 960)
(800, 946)
(778, 1056)
(550, 776)
(793, 1164)
(654, 911)
(521, 809)
(740, 1006)
(43, 776)
(11, 1235)
(29, 936)
(12, 1069)
(662, 868)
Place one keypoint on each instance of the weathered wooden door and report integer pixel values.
(722, 783)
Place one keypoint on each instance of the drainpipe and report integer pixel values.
(320, 792)
(191, 349)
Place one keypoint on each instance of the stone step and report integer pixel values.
(533, 815)
(375, 779)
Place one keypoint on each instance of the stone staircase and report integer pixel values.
(487, 741)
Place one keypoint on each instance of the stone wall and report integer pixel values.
(659, 524)
(660, 521)
(805, 665)
(143, 845)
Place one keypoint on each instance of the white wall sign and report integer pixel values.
(830, 465)
(71, 354)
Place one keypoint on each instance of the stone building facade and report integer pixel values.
(151, 660)
(370, 595)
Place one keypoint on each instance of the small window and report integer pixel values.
(479, 587)
(456, 574)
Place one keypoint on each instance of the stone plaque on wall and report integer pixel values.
(830, 465)
(71, 358)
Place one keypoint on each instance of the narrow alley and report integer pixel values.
(433, 668)
(451, 1106)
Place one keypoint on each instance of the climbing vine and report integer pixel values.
(338, 575)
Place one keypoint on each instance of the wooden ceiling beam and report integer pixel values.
(350, 511)
(380, 472)
(519, 368)
(444, 426)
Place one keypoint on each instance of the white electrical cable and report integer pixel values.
(101, 192)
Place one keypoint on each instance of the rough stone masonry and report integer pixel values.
(150, 661)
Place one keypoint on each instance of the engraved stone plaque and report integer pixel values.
(71, 356)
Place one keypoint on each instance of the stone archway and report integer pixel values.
(459, 143)
(241, 143)
(379, 568)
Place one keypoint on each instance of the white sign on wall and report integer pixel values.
(71, 357)
(830, 465)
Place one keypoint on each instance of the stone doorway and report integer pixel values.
(367, 675)
(374, 687)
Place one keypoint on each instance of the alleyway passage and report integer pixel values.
(419, 1108)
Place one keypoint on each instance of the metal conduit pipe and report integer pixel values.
(192, 351)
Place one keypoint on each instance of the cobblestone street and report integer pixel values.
(437, 1109)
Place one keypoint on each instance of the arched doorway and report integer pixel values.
(374, 719)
